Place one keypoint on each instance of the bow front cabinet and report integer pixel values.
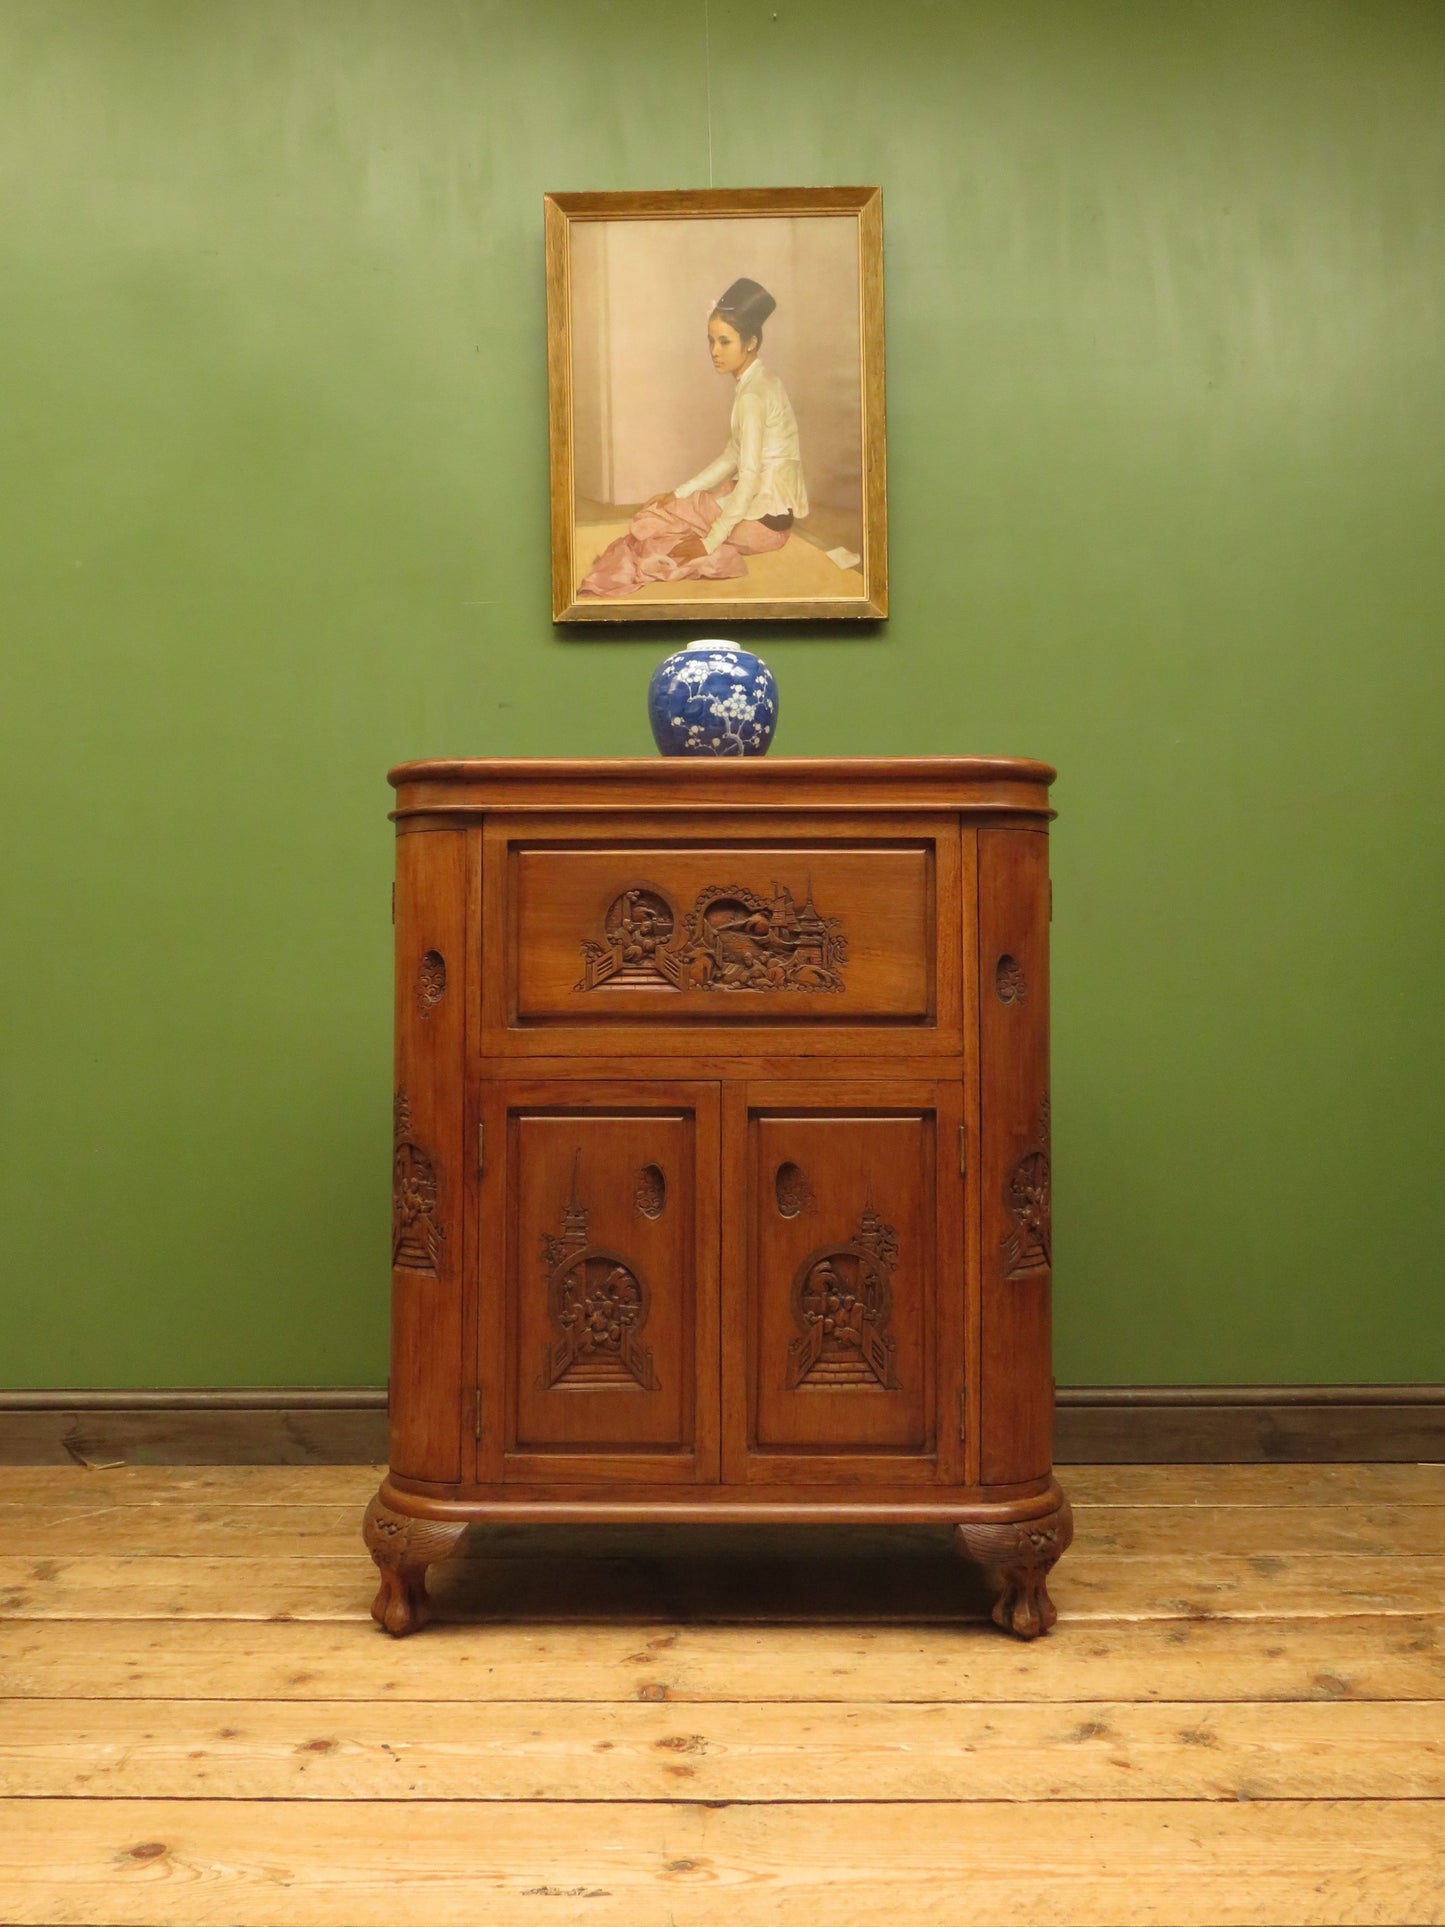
(721, 1155)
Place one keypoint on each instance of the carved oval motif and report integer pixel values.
(431, 981)
(792, 1190)
(650, 1197)
(1009, 980)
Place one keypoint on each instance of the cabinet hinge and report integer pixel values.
(963, 1418)
(393, 903)
(963, 1149)
(477, 1415)
(481, 1139)
(1051, 899)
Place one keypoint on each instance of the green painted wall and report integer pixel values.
(1166, 418)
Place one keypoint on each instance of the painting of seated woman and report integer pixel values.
(716, 447)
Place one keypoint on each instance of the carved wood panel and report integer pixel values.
(733, 938)
(416, 1234)
(821, 934)
(602, 1276)
(842, 1301)
(431, 981)
(1028, 1245)
(1016, 1181)
(598, 1304)
(842, 1289)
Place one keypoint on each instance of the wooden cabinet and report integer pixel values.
(721, 1174)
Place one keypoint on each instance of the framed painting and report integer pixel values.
(715, 389)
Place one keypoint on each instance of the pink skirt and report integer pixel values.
(644, 555)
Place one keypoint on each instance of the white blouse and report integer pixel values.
(762, 452)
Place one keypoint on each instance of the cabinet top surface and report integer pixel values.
(656, 782)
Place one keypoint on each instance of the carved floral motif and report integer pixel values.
(1009, 981)
(733, 939)
(416, 1236)
(842, 1301)
(650, 1196)
(598, 1304)
(431, 981)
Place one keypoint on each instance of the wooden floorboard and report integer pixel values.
(1240, 1717)
(1360, 1658)
(1386, 1531)
(1092, 1585)
(1133, 1485)
(205, 1863)
(1096, 1750)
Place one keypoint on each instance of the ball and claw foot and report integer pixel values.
(1024, 1552)
(403, 1547)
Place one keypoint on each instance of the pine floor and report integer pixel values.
(1240, 1717)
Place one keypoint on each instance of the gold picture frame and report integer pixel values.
(658, 306)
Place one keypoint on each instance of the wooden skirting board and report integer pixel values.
(1095, 1425)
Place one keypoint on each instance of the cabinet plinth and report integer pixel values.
(721, 1170)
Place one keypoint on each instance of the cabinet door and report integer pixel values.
(597, 1290)
(843, 1283)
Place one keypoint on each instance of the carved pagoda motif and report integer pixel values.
(416, 1236)
(598, 1305)
(738, 940)
(1029, 1246)
(842, 1301)
(735, 939)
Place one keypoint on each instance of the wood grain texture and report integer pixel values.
(430, 1180)
(866, 1215)
(1209, 1487)
(1081, 1750)
(819, 1245)
(1212, 1425)
(783, 1585)
(889, 884)
(642, 1735)
(1184, 1426)
(592, 786)
(877, 902)
(298, 1527)
(1015, 1229)
(203, 1863)
(1223, 1660)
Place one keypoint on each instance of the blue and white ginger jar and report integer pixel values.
(713, 699)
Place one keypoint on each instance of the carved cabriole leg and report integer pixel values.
(1024, 1552)
(403, 1547)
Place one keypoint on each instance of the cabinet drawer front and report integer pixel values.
(720, 933)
